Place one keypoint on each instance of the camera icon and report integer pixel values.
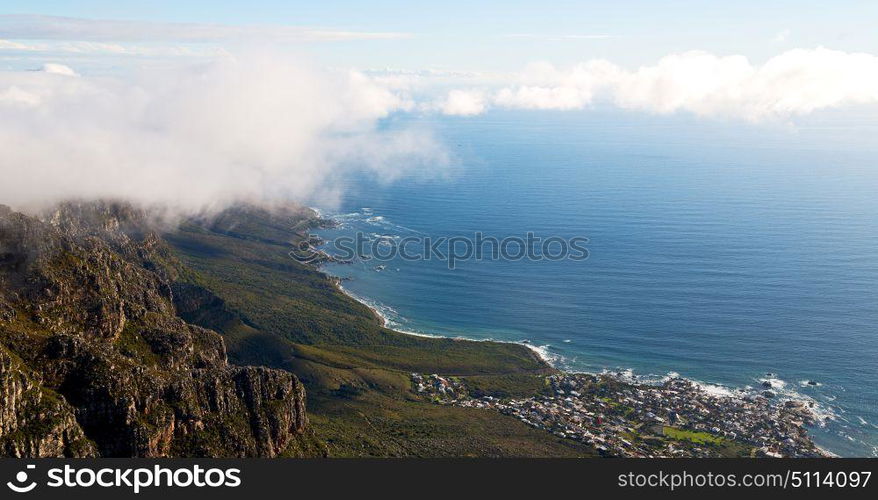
(19, 485)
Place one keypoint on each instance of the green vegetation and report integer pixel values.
(693, 436)
(508, 386)
(726, 447)
(276, 312)
(131, 344)
(375, 424)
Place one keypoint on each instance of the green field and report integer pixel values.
(696, 437)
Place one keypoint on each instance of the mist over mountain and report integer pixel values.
(203, 135)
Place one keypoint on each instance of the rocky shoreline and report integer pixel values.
(621, 417)
(675, 419)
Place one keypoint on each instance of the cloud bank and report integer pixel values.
(463, 103)
(260, 126)
(200, 136)
(796, 82)
(41, 27)
(79, 48)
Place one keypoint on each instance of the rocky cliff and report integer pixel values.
(96, 360)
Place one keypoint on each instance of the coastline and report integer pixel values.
(774, 401)
(386, 322)
(330, 223)
(709, 390)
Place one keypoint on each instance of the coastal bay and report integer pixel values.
(733, 266)
(622, 415)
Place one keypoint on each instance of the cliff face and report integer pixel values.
(34, 422)
(95, 360)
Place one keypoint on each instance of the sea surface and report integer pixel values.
(729, 253)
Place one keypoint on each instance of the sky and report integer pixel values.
(212, 102)
(505, 35)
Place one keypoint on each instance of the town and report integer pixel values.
(677, 418)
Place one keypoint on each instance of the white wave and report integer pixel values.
(552, 358)
(716, 390)
(866, 423)
(807, 383)
(822, 413)
(351, 215)
(382, 222)
(388, 315)
(420, 334)
(776, 383)
(384, 237)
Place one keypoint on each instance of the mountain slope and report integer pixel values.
(278, 312)
(94, 359)
(113, 343)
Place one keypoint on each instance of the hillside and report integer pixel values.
(95, 361)
(280, 313)
(114, 337)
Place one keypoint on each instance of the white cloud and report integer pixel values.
(463, 103)
(585, 37)
(534, 36)
(795, 82)
(40, 27)
(259, 126)
(105, 48)
(58, 69)
(782, 37)
(535, 97)
(10, 45)
(15, 96)
(192, 137)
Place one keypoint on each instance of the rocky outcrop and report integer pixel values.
(35, 422)
(94, 358)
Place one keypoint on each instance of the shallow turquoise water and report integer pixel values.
(722, 252)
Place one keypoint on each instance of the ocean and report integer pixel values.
(726, 252)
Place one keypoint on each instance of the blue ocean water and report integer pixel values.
(720, 251)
